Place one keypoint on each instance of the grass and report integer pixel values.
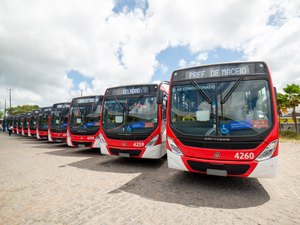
(289, 136)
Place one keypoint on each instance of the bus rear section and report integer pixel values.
(42, 122)
(58, 122)
(222, 120)
(132, 121)
(32, 123)
(25, 126)
(84, 122)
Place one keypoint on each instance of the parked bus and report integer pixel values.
(84, 122)
(32, 123)
(58, 122)
(6, 123)
(14, 123)
(20, 123)
(26, 123)
(133, 121)
(42, 122)
(222, 120)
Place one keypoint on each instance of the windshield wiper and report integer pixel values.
(204, 95)
(118, 101)
(229, 93)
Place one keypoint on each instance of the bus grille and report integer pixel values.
(232, 169)
(219, 144)
(116, 151)
(86, 144)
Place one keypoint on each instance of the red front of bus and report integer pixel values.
(58, 122)
(57, 136)
(226, 124)
(91, 141)
(42, 123)
(25, 127)
(84, 122)
(132, 124)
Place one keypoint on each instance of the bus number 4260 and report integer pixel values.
(242, 155)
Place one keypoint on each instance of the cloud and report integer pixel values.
(199, 59)
(40, 41)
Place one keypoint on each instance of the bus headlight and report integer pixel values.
(152, 142)
(268, 151)
(174, 147)
(102, 140)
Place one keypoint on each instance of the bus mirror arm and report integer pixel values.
(159, 97)
(275, 91)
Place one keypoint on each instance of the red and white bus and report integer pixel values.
(42, 123)
(20, 123)
(32, 123)
(222, 120)
(15, 123)
(26, 123)
(133, 121)
(58, 122)
(84, 122)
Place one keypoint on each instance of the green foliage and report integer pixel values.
(291, 99)
(292, 95)
(281, 102)
(289, 135)
(1, 114)
(21, 109)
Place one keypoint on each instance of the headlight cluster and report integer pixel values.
(174, 147)
(102, 140)
(268, 151)
(153, 141)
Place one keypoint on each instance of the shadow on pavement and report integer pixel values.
(52, 145)
(159, 183)
(75, 152)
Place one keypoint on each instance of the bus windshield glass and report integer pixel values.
(59, 117)
(26, 120)
(130, 115)
(85, 114)
(229, 108)
(43, 119)
(20, 121)
(32, 120)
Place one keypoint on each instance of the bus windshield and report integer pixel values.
(129, 115)
(26, 120)
(229, 108)
(32, 120)
(43, 119)
(20, 121)
(59, 118)
(85, 117)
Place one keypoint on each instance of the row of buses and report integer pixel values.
(216, 119)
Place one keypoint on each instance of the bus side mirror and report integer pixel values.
(159, 97)
(275, 91)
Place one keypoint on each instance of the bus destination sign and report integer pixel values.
(91, 99)
(132, 90)
(222, 70)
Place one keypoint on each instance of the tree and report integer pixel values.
(21, 109)
(293, 99)
(281, 104)
(1, 114)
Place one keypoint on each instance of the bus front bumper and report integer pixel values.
(153, 152)
(263, 169)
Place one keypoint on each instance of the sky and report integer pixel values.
(51, 51)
